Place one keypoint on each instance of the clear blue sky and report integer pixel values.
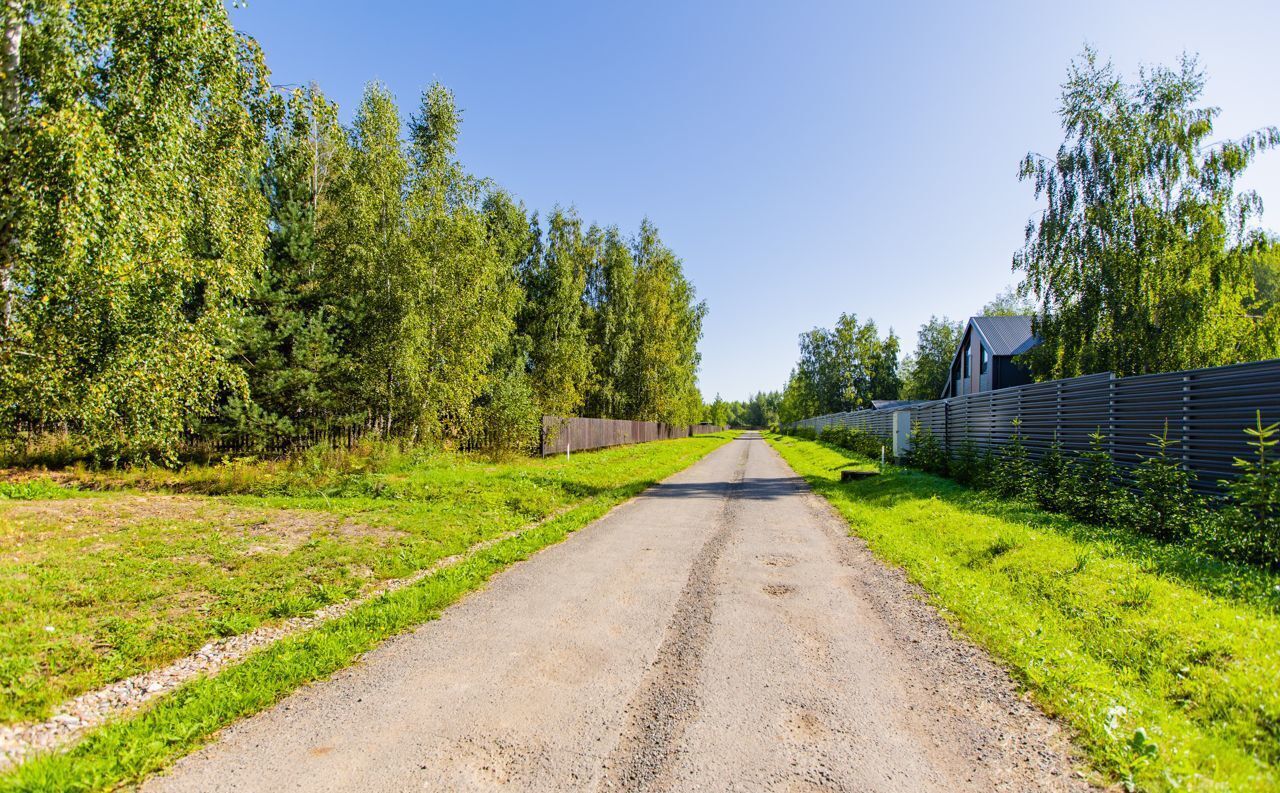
(802, 158)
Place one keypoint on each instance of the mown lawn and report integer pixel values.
(110, 574)
(1166, 664)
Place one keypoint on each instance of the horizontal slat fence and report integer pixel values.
(561, 434)
(1206, 411)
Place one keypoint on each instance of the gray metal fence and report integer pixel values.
(560, 434)
(1205, 410)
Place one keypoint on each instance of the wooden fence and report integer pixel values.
(557, 436)
(561, 434)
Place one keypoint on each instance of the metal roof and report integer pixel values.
(1005, 335)
(891, 404)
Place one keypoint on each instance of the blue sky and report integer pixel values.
(803, 159)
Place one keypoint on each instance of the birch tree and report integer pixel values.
(554, 291)
(132, 219)
(1136, 260)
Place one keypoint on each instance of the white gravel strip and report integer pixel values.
(87, 711)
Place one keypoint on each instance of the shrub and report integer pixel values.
(868, 444)
(1097, 496)
(805, 433)
(926, 453)
(52, 449)
(1249, 527)
(972, 466)
(510, 419)
(1013, 475)
(1054, 485)
(854, 439)
(1166, 508)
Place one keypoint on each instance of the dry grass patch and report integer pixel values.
(108, 519)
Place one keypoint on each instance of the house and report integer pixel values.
(984, 358)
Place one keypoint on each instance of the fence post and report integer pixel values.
(1111, 415)
(946, 423)
(1184, 434)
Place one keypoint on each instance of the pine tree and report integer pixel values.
(289, 342)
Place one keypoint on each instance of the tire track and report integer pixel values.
(668, 696)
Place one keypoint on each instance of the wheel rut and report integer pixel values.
(668, 697)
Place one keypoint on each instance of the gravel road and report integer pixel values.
(720, 632)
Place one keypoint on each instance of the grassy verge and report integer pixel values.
(1170, 681)
(97, 586)
(128, 750)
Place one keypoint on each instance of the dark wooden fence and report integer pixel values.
(278, 445)
(557, 436)
(560, 434)
(1205, 410)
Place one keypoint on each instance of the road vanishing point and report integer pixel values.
(720, 632)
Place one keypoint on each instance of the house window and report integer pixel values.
(984, 359)
(964, 356)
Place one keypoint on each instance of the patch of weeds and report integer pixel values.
(992, 551)
(1082, 561)
(232, 625)
(1134, 593)
(35, 490)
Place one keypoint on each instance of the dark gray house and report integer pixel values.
(984, 359)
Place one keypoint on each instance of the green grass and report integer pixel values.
(125, 751)
(1165, 664)
(118, 581)
(36, 489)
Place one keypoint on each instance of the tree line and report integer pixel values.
(187, 251)
(1144, 258)
(758, 410)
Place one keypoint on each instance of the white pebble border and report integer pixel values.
(77, 716)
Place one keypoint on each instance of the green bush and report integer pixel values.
(833, 435)
(1013, 476)
(1089, 486)
(43, 488)
(972, 466)
(1097, 496)
(1166, 509)
(805, 433)
(509, 418)
(54, 449)
(1055, 481)
(1249, 527)
(854, 439)
(927, 452)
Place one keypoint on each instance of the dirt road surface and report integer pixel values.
(720, 632)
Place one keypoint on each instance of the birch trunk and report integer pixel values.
(14, 18)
